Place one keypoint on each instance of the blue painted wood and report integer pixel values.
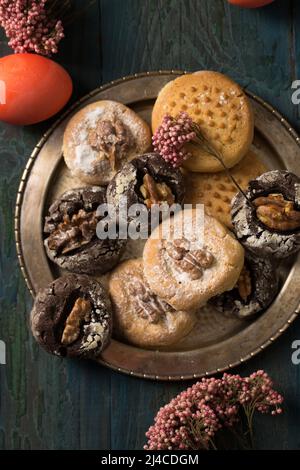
(49, 403)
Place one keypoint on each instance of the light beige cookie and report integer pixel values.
(216, 190)
(140, 317)
(187, 269)
(220, 108)
(100, 138)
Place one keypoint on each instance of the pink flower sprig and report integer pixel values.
(258, 395)
(192, 419)
(30, 25)
(257, 392)
(174, 133)
(171, 136)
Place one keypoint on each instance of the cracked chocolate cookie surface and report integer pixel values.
(72, 317)
(254, 291)
(147, 180)
(270, 224)
(71, 238)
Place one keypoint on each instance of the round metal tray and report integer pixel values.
(217, 343)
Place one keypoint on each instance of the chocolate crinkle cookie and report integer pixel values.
(72, 317)
(254, 291)
(71, 238)
(268, 223)
(148, 180)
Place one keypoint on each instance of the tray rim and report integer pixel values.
(19, 201)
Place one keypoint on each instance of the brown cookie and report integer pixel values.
(100, 138)
(72, 317)
(187, 270)
(220, 108)
(140, 317)
(216, 190)
(71, 233)
(147, 180)
(268, 221)
(256, 288)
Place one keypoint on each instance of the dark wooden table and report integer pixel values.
(47, 403)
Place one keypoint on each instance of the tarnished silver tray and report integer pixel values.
(217, 343)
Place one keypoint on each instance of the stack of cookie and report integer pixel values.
(152, 299)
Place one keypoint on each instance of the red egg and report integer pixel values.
(250, 3)
(32, 88)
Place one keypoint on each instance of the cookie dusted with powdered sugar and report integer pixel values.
(187, 269)
(149, 181)
(254, 291)
(140, 316)
(268, 222)
(100, 138)
(72, 317)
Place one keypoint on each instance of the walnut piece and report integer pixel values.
(277, 213)
(155, 193)
(73, 232)
(148, 305)
(80, 312)
(244, 284)
(111, 138)
(193, 262)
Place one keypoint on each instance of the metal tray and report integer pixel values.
(217, 343)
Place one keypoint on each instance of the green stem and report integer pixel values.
(240, 440)
(249, 413)
(203, 142)
(213, 445)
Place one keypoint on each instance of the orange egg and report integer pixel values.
(32, 88)
(250, 3)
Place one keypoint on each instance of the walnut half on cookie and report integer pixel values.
(147, 180)
(72, 317)
(254, 291)
(141, 317)
(187, 271)
(100, 138)
(70, 230)
(268, 222)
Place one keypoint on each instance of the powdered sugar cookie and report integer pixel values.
(140, 317)
(220, 108)
(147, 181)
(216, 190)
(100, 138)
(72, 317)
(187, 270)
(256, 288)
(268, 221)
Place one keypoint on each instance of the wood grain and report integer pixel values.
(47, 403)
